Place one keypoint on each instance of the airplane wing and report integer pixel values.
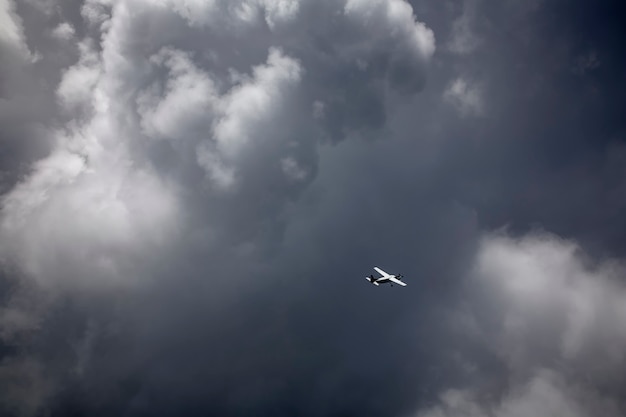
(381, 272)
(397, 281)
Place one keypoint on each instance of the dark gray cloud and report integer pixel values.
(216, 177)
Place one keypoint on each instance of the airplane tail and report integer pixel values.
(372, 280)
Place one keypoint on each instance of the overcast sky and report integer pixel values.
(194, 190)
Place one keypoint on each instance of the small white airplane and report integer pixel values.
(386, 278)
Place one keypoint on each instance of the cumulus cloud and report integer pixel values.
(122, 96)
(12, 32)
(553, 319)
(547, 282)
(76, 87)
(241, 12)
(398, 15)
(253, 104)
(89, 202)
(178, 119)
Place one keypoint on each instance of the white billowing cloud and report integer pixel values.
(11, 31)
(555, 321)
(548, 288)
(254, 101)
(88, 208)
(187, 103)
(76, 87)
(240, 12)
(465, 97)
(386, 25)
(397, 15)
(70, 224)
(191, 107)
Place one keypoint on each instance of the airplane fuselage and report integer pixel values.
(378, 281)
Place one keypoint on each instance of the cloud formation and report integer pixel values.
(193, 191)
(177, 128)
(245, 121)
(553, 319)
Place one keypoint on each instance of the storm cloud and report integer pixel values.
(193, 191)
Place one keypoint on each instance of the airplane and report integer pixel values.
(386, 278)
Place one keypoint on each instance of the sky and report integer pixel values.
(192, 192)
